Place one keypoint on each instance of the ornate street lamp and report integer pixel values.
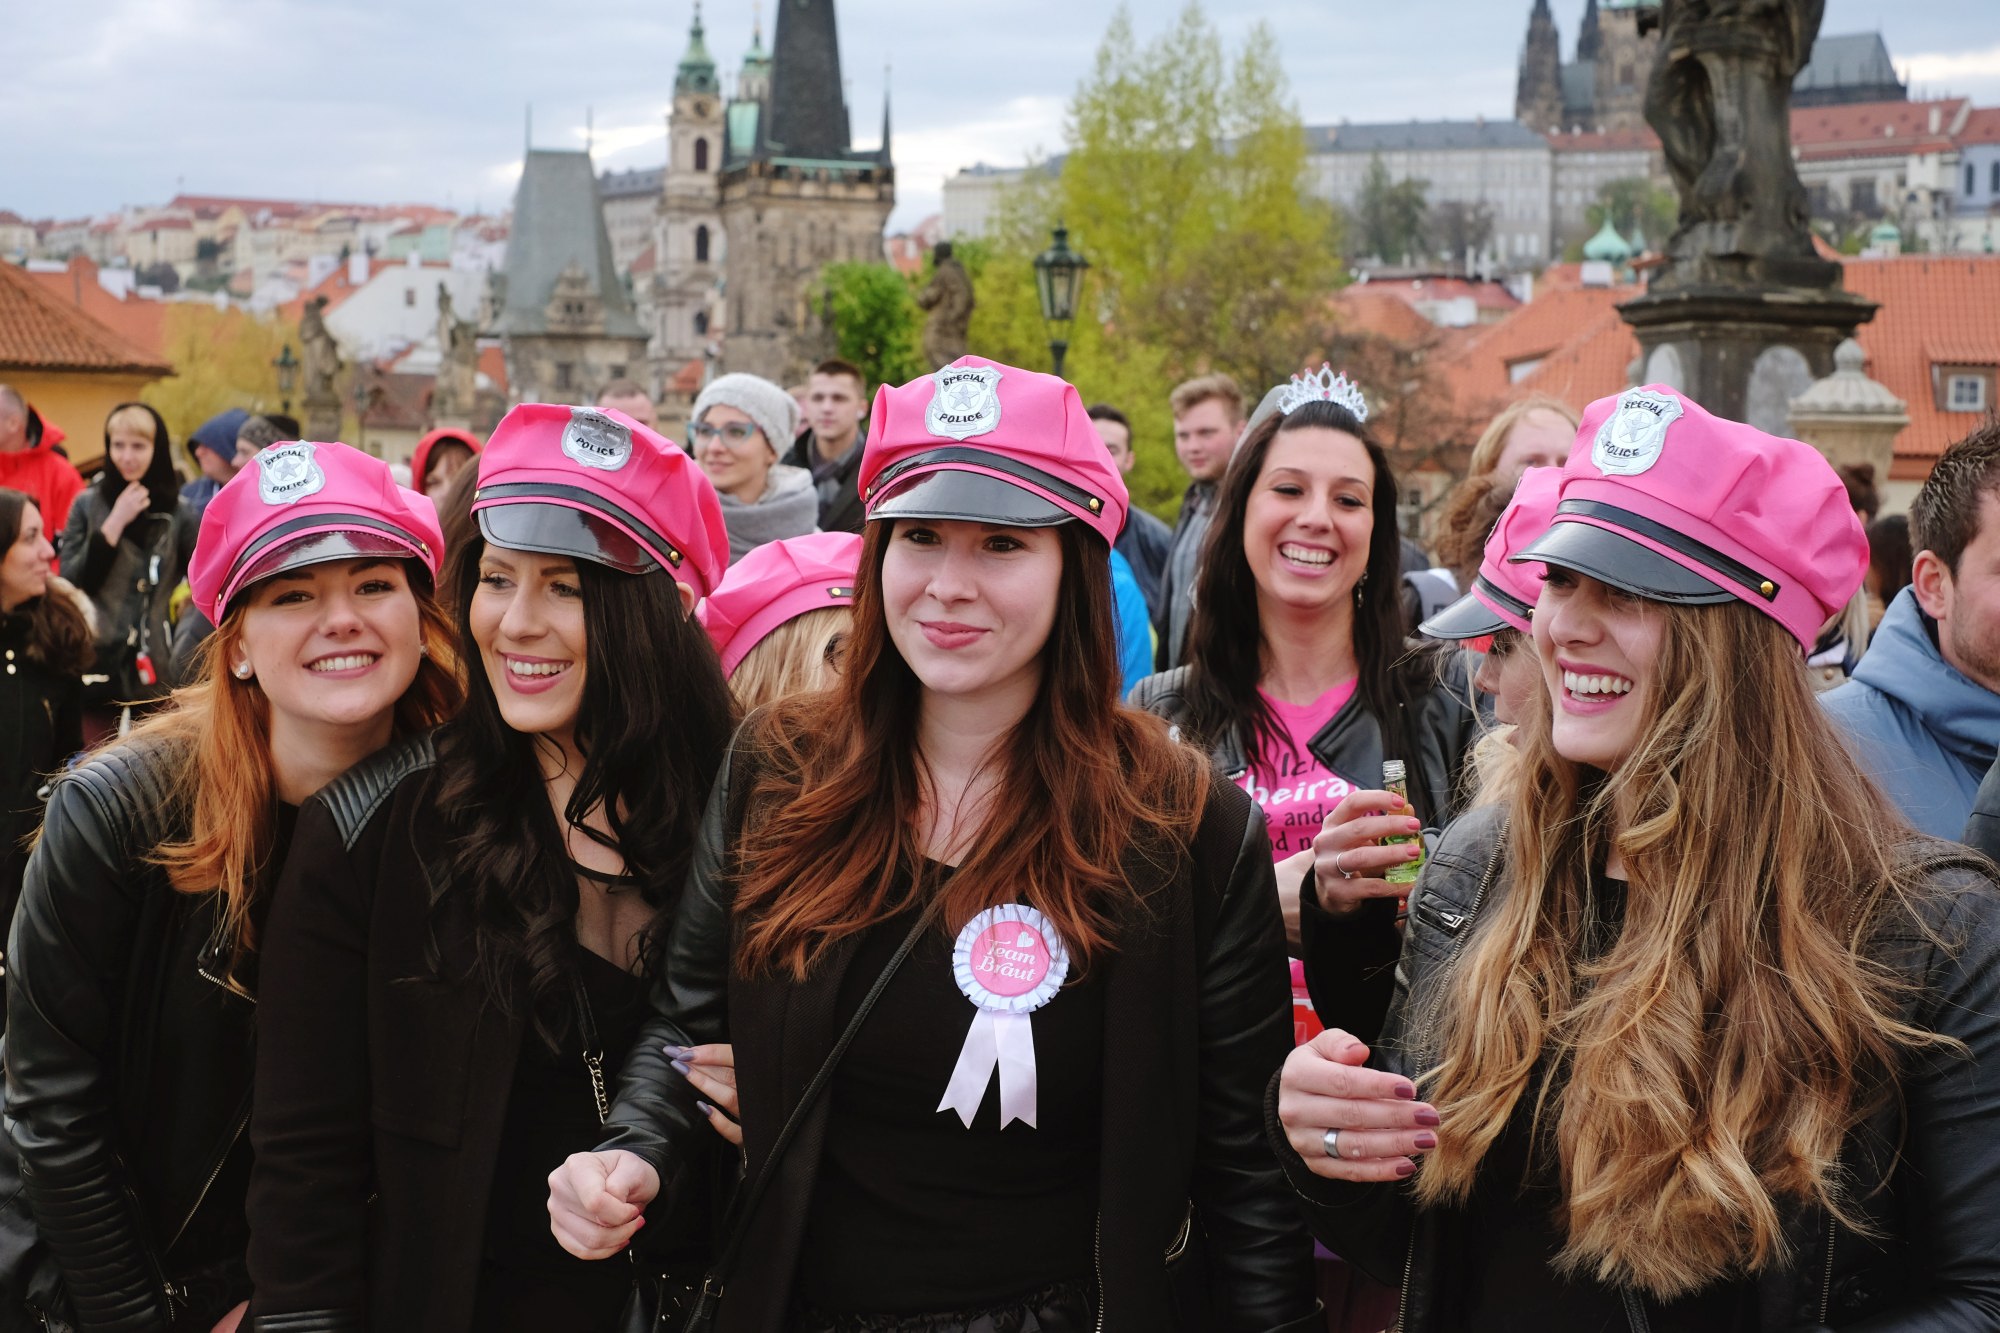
(1058, 274)
(287, 367)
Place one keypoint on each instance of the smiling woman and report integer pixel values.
(154, 875)
(465, 915)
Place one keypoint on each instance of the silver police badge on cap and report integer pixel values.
(287, 473)
(595, 440)
(965, 401)
(1630, 440)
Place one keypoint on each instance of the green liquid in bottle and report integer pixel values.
(1395, 782)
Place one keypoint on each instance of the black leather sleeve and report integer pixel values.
(68, 958)
(1982, 829)
(654, 1113)
(1259, 1255)
(1953, 1105)
(1350, 962)
(310, 1185)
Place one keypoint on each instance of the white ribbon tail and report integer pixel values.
(1005, 1042)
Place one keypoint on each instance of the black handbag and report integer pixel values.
(655, 1307)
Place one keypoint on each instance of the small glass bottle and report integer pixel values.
(1396, 784)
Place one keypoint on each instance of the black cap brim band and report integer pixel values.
(321, 548)
(1466, 618)
(559, 530)
(1623, 563)
(971, 497)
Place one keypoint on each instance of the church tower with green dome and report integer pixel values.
(687, 238)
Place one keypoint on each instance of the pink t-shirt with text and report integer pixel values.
(1296, 791)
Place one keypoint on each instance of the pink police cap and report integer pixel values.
(594, 484)
(305, 503)
(1671, 503)
(777, 582)
(989, 443)
(1503, 594)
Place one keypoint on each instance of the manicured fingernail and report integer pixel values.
(705, 1108)
(1427, 1140)
(642, 1220)
(1416, 826)
(1406, 1167)
(674, 1052)
(1407, 1091)
(1412, 853)
(1426, 1116)
(681, 1066)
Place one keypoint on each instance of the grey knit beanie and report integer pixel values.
(757, 398)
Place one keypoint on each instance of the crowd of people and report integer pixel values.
(853, 869)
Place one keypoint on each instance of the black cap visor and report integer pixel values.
(971, 497)
(1466, 618)
(559, 530)
(319, 548)
(1623, 563)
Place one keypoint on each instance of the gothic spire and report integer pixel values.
(808, 111)
(884, 152)
(697, 69)
(1588, 40)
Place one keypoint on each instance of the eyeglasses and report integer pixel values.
(736, 432)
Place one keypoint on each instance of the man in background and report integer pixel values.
(1144, 541)
(830, 446)
(28, 462)
(626, 396)
(1208, 417)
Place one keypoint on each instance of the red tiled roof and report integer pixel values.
(687, 379)
(1875, 129)
(1982, 126)
(140, 322)
(1382, 313)
(1601, 141)
(1949, 303)
(1592, 365)
(1478, 369)
(9, 218)
(164, 224)
(1486, 295)
(493, 365)
(38, 332)
(645, 262)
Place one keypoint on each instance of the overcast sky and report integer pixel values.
(123, 102)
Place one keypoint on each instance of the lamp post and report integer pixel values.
(1058, 273)
(287, 367)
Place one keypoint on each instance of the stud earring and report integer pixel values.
(242, 671)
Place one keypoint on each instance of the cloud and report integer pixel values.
(1005, 137)
(1975, 73)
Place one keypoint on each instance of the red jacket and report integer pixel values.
(47, 477)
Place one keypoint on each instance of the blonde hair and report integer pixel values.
(229, 788)
(1191, 394)
(1712, 1061)
(1493, 441)
(132, 414)
(795, 658)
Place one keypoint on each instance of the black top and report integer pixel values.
(1511, 1285)
(913, 1212)
(527, 1281)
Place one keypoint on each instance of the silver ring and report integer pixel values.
(1332, 1141)
(1340, 869)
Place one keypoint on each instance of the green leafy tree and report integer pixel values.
(876, 324)
(1394, 216)
(221, 359)
(1185, 186)
(1635, 204)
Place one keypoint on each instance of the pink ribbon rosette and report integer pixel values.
(1009, 961)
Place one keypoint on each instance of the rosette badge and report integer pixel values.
(1009, 961)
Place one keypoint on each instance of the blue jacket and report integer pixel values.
(1135, 627)
(1925, 733)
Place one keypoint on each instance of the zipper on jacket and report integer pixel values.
(1181, 1238)
(229, 1146)
(1826, 1289)
(1097, 1265)
(1635, 1311)
(168, 1293)
(1436, 917)
(1455, 926)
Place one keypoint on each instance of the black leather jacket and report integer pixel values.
(1197, 1016)
(128, 1049)
(1927, 1181)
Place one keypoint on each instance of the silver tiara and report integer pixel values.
(1323, 386)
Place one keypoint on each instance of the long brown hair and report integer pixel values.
(1710, 1063)
(830, 848)
(229, 787)
(59, 634)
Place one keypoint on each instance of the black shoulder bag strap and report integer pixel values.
(701, 1318)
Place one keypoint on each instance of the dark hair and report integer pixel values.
(940, 251)
(1470, 512)
(1106, 412)
(459, 528)
(1889, 555)
(1944, 518)
(1859, 479)
(162, 483)
(58, 635)
(652, 724)
(1226, 640)
(833, 365)
(830, 847)
(288, 426)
